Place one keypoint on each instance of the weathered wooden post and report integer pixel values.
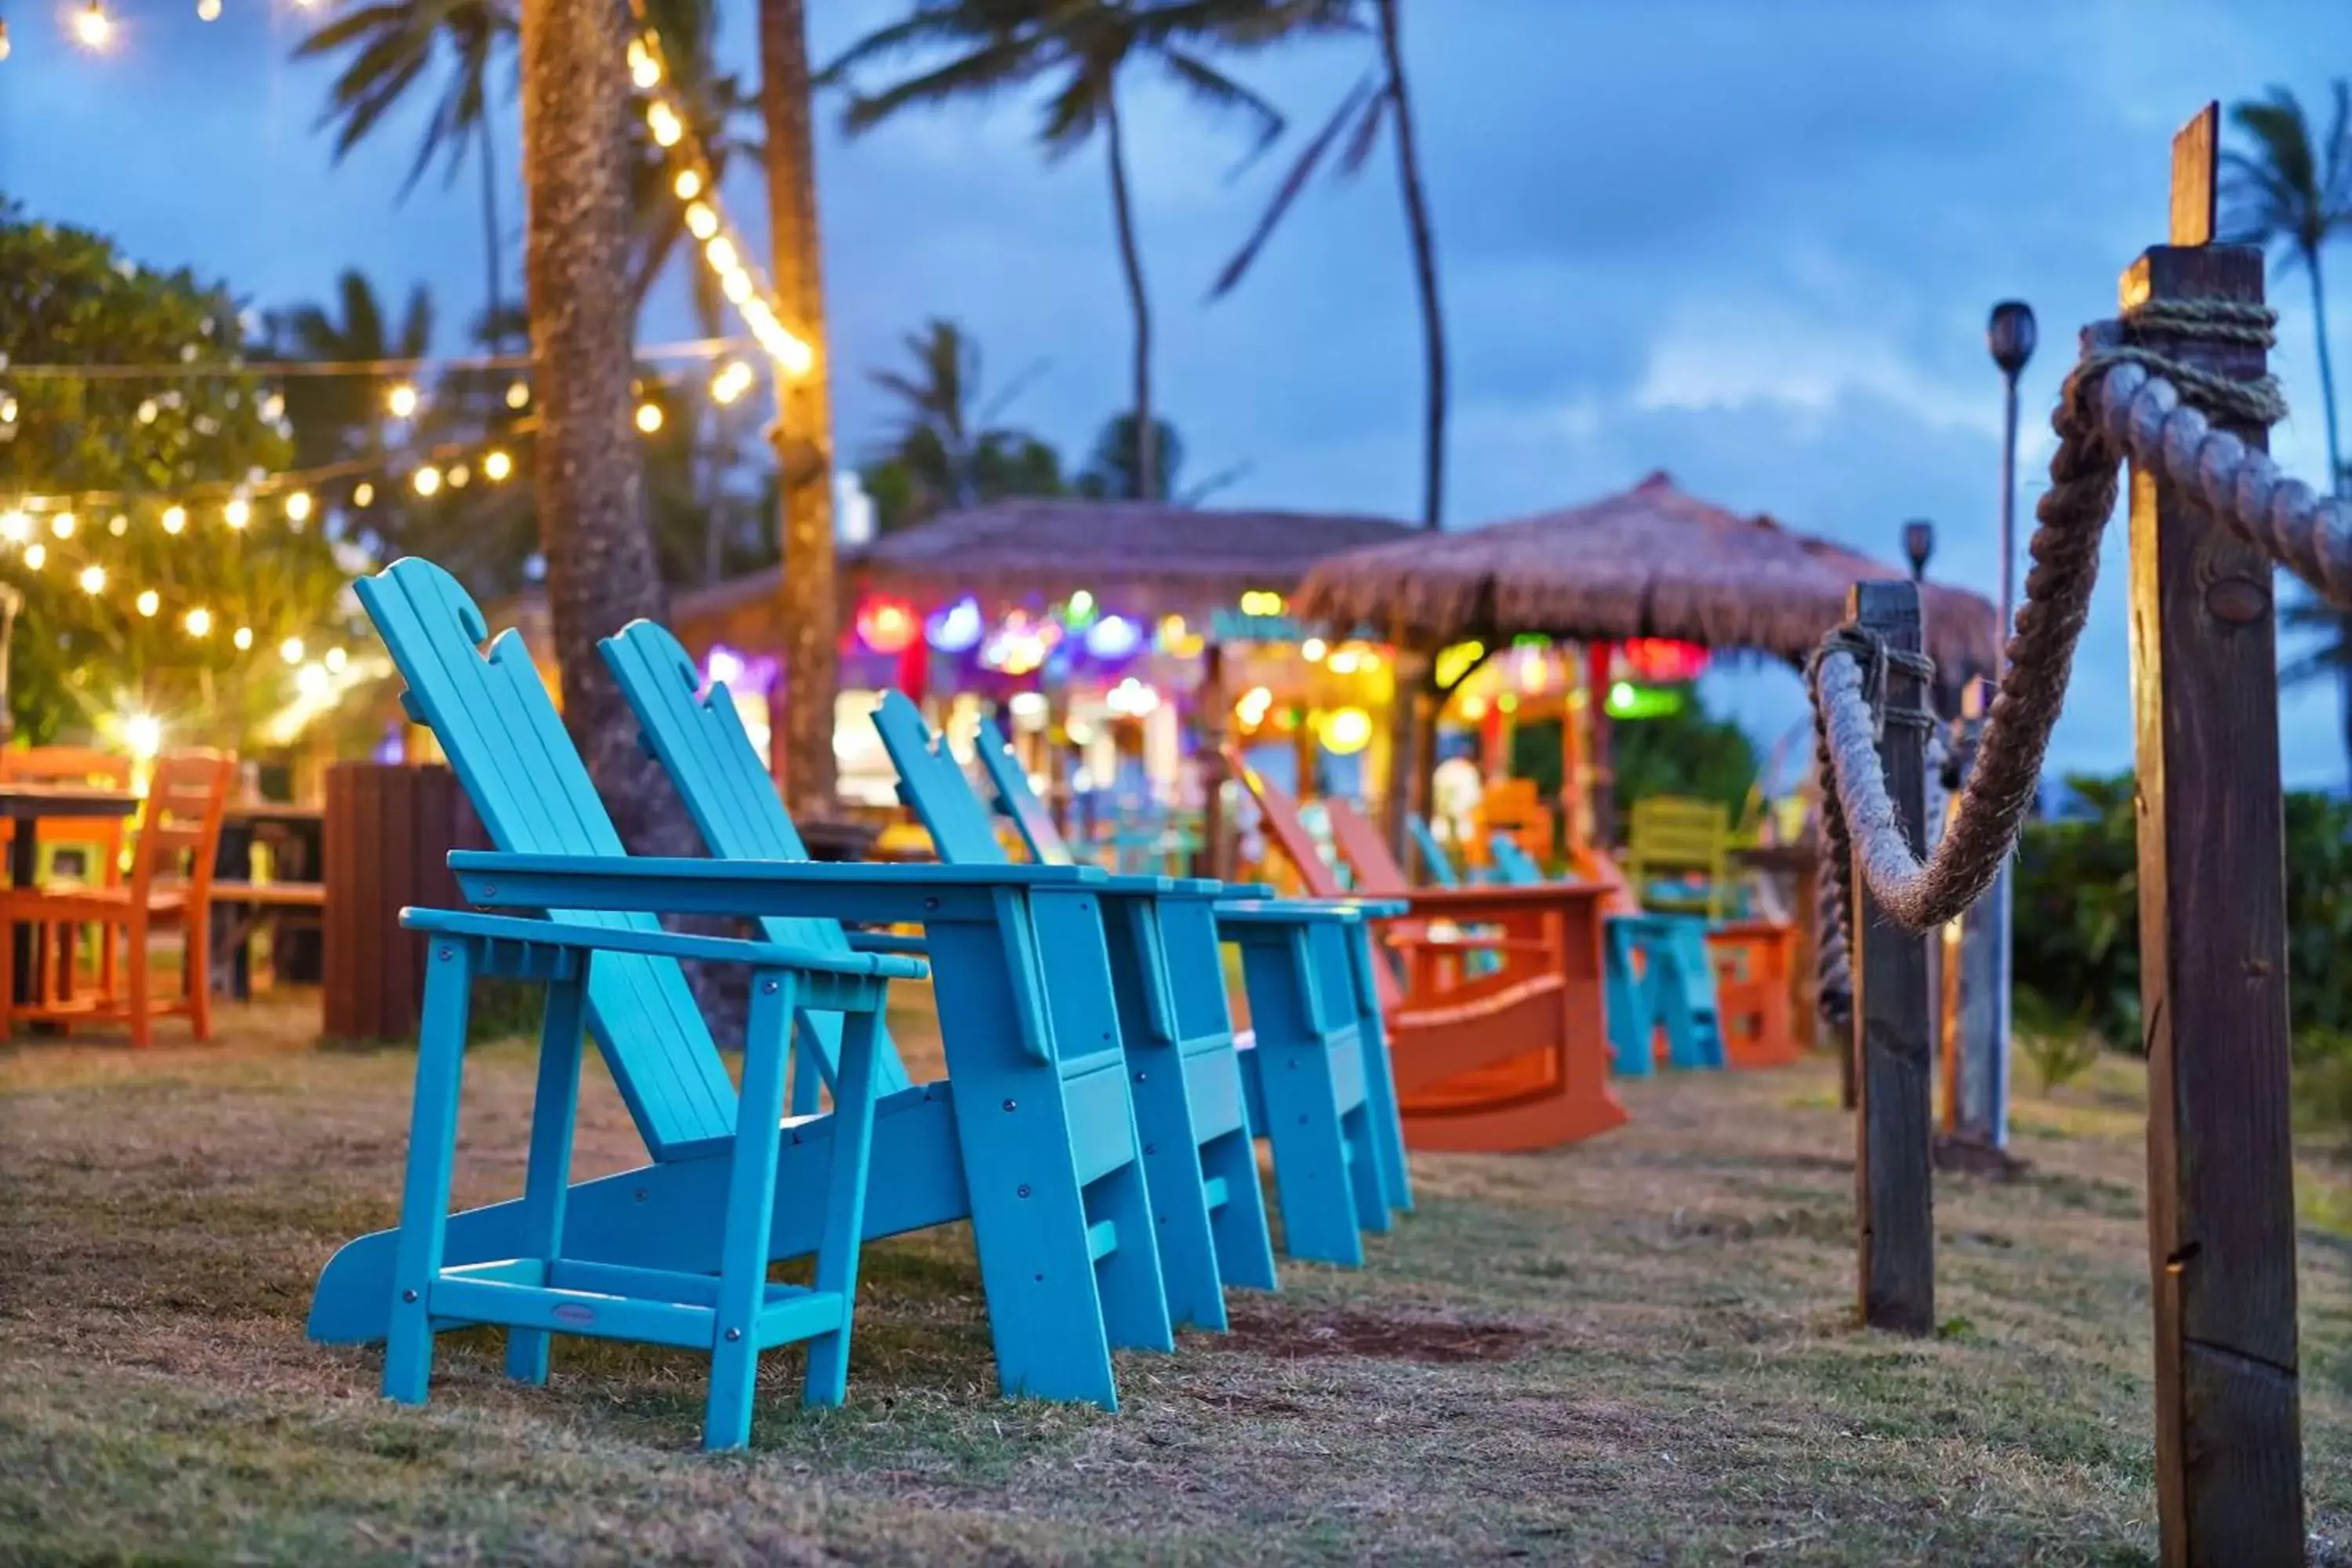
(2213, 998)
(1894, 1010)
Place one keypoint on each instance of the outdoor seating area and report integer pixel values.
(1354, 901)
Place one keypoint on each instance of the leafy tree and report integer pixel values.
(1688, 753)
(1086, 48)
(90, 468)
(1378, 101)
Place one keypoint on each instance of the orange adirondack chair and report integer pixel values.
(1515, 1059)
(97, 840)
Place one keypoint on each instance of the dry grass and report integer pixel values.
(1640, 1351)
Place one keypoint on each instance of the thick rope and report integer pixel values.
(2124, 400)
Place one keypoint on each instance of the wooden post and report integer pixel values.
(1210, 711)
(2229, 1467)
(1894, 1018)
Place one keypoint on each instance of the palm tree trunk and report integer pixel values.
(803, 432)
(491, 247)
(600, 571)
(1424, 267)
(1146, 431)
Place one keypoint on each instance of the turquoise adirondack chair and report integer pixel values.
(1657, 973)
(1032, 1138)
(1307, 981)
(1209, 1215)
(1169, 931)
(1434, 860)
(731, 1318)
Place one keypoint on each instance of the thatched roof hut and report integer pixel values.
(1650, 562)
(1143, 555)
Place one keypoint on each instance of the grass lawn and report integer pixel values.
(1638, 1351)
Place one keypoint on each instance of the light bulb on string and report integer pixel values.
(35, 556)
(719, 251)
(290, 650)
(92, 579)
(426, 480)
(297, 507)
(62, 525)
(736, 286)
(175, 518)
(664, 122)
(401, 401)
(518, 394)
(149, 602)
(117, 525)
(8, 408)
(363, 494)
(15, 527)
(243, 639)
(238, 513)
(336, 658)
(645, 69)
(649, 418)
(199, 622)
(688, 185)
(458, 475)
(497, 465)
(209, 10)
(700, 221)
(93, 29)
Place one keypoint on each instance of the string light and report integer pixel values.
(92, 579)
(518, 394)
(8, 408)
(290, 650)
(704, 220)
(149, 602)
(199, 622)
(15, 527)
(649, 418)
(175, 518)
(458, 475)
(426, 480)
(297, 507)
(209, 10)
(336, 659)
(497, 465)
(237, 513)
(4, 38)
(117, 525)
(93, 29)
(401, 401)
(732, 382)
(243, 639)
(62, 525)
(35, 554)
(363, 494)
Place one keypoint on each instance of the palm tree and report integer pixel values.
(803, 429)
(1084, 44)
(944, 452)
(393, 42)
(1355, 126)
(336, 417)
(589, 481)
(2293, 194)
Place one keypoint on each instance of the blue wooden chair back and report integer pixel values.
(1513, 863)
(1433, 858)
(701, 744)
(1017, 800)
(500, 729)
(932, 786)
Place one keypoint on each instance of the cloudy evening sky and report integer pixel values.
(1750, 243)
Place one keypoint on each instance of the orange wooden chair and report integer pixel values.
(170, 886)
(95, 843)
(1513, 1059)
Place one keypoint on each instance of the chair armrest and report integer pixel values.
(660, 944)
(886, 942)
(857, 893)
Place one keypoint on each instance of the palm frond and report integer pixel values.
(1213, 89)
(985, 71)
(1302, 170)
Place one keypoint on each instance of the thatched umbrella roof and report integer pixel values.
(1650, 562)
(1141, 557)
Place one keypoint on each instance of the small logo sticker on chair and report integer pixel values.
(572, 1312)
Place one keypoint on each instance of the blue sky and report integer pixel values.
(1752, 243)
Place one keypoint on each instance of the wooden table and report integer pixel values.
(27, 805)
(296, 835)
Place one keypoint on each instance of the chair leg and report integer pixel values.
(197, 931)
(827, 1379)
(750, 1209)
(139, 999)
(545, 1178)
(432, 1150)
